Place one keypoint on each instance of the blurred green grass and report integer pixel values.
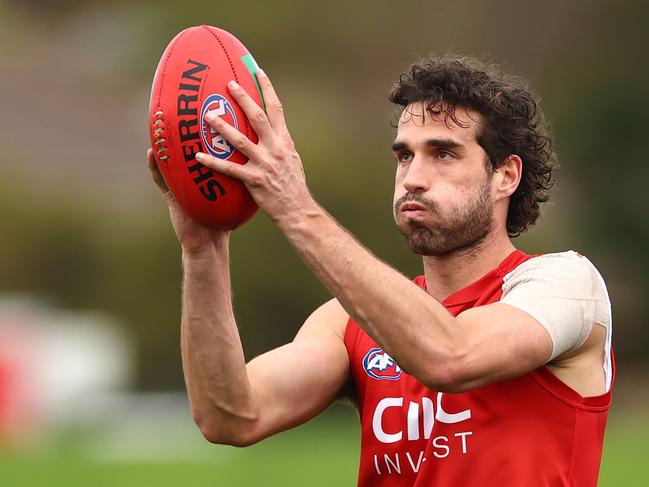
(322, 453)
(625, 460)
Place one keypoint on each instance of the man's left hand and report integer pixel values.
(273, 174)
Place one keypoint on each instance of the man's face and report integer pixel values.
(442, 195)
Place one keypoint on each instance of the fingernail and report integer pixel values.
(200, 156)
(262, 73)
(210, 117)
(233, 84)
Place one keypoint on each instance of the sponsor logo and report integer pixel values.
(189, 131)
(393, 423)
(411, 418)
(379, 365)
(212, 140)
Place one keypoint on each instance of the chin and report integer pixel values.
(425, 241)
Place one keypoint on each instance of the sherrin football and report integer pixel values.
(191, 80)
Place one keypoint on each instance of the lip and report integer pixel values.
(414, 214)
(412, 208)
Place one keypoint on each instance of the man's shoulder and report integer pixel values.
(567, 264)
(565, 293)
(565, 275)
(328, 318)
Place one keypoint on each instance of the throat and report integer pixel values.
(445, 275)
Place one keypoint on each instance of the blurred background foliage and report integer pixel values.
(83, 226)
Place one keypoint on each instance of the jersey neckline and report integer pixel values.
(474, 290)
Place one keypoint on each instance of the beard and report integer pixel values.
(465, 228)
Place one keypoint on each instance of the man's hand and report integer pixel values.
(233, 403)
(194, 238)
(274, 174)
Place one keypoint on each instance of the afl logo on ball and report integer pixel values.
(212, 140)
(379, 365)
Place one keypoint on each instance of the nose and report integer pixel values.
(416, 178)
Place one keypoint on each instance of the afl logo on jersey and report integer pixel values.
(379, 365)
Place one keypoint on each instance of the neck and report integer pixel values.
(448, 274)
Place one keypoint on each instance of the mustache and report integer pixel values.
(415, 198)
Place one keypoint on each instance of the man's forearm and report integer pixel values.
(213, 359)
(397, 314)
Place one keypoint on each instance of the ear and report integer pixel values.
(507, 177)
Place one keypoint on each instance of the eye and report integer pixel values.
(444, 156)
(404, 157)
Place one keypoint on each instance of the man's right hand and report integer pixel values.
(194, 238)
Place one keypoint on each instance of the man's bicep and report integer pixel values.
(299, 380)
(502, 342)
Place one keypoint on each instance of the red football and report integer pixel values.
(191, 80)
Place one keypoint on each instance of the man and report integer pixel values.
(493, 368)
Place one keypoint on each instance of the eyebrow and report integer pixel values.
(433, 143)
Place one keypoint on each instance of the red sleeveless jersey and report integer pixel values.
(532, 430)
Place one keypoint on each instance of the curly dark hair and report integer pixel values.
(512, 122)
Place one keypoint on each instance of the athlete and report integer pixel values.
(493, 368)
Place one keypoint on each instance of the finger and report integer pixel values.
(274, 108)
(155, 172)
(254, 112)
(232, 169)
(240, 142)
